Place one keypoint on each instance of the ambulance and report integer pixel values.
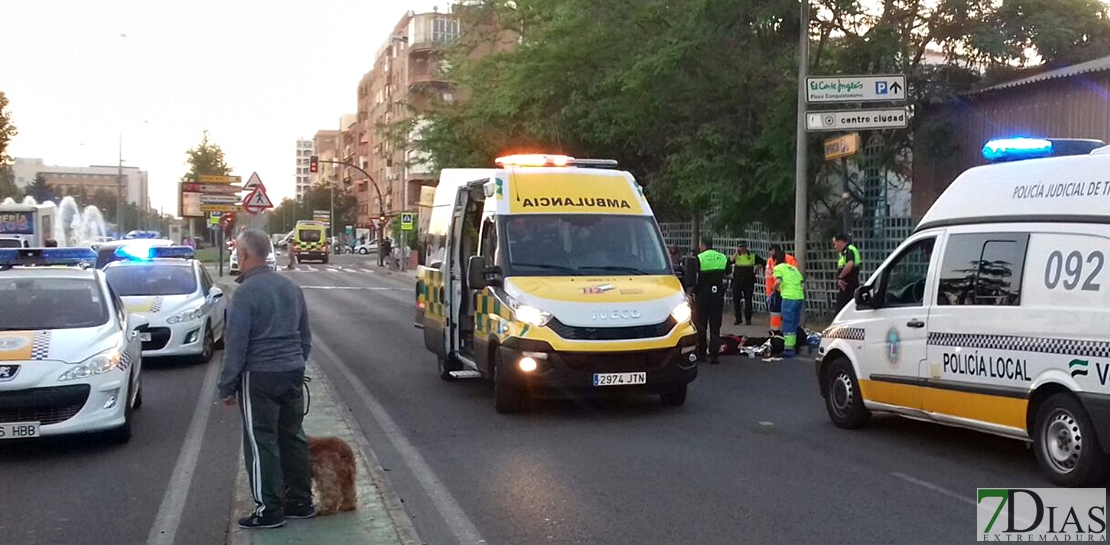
(548, 276)
(995, 314)
(311, 238)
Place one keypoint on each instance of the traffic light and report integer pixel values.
(314, 164)
(382, 219)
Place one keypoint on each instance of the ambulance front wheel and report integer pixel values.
(508, 397)
(674, 397)
(843, 398)
(1065, 444)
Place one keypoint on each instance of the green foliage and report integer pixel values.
(698, 99)
(38, 189)
(7, 130)
(205, 159)
(7, 184)
(285, 215)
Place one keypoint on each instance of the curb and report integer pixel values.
(391, 503)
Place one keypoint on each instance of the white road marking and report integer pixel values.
(168, 519)
(954, 495)
(366, 288)
(766, 423)
(465, 531)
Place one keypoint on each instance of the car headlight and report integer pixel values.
(104, 362)
(682, 312)
(187, 316)
(528, 314)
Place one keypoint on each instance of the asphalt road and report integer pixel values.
(750, 458)
(84, 490)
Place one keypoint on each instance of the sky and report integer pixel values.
(257, 74)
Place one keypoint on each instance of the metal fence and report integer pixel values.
(875, 238)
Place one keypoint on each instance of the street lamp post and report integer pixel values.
(119, 188)
(381, 201)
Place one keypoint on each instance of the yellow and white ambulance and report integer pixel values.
(311, 240)
(995, 314)
(548, 276)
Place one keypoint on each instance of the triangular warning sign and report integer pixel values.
(254, 182)
(258, 200)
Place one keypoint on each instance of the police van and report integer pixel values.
(995, 314)
(548, 276)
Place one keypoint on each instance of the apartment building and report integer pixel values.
(326, 146)
(303, 177)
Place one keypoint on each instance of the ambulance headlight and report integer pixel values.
(528, 314)
(104, 362)
(682, 312)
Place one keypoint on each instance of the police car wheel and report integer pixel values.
(1065, 444)
(507, 397)
(842, 397)
(446, 365)
(122, 434)
(674, 397)
(223, 335)
(209, 346)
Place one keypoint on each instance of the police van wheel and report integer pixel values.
(842, 397)
(1065, 444)
(507, 397)
(674, 397)
(446, 365)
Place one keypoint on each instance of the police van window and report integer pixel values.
(904, 279)
(983, 269)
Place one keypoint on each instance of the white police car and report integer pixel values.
(994, 314)
(186, 312)
(70, 356)
(233, 261)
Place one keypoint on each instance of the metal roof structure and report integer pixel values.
(1097, 65)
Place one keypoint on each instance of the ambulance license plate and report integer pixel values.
(19, 430)
(619, 379)
(144, 337)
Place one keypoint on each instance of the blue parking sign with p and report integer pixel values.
(881, 88)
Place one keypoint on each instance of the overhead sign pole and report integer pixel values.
(801, 197)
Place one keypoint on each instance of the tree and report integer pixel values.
(8, 189)
(205, 159)
(7, 130)
(39, 190)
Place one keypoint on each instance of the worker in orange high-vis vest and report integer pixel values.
(774, 298)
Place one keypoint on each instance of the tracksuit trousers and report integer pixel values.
(274, 443)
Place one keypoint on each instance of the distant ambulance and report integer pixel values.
(995, 314)
(548, 276)
(26, 225)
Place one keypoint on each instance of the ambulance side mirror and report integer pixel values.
(864, 297)
(689, 274)
(479, 275)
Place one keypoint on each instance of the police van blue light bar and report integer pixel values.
(1016, 149)
(47, 257)
(143, 252)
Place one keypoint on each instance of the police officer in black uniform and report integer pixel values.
(709, 299)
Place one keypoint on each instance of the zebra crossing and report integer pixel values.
(329, 268)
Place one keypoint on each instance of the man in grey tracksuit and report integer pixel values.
(266, 346)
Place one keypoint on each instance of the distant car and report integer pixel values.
(12, 243)
(187, 314)
(72, 359)
(142, 235)
(367, 248)
(107, 252)
(233, 262)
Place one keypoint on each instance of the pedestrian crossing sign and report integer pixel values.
(407, 221)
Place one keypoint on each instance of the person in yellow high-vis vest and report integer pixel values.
(847, 270)
(709, 300)
(789, 285)
(744, 265)
(774, 300)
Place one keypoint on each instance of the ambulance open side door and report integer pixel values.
(463, 243)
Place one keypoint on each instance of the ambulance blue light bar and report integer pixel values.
(47, 257)
(1021, 148)
(142, 252)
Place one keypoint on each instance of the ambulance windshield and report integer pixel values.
(573, 245)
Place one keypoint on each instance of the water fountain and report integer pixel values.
(77, 227)
(8, 200)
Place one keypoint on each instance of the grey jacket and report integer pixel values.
(267, 328)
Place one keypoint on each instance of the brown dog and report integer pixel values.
(333, 475)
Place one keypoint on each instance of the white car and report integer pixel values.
(233, 262)
(70, 355)
(367, 248)
(186, 313)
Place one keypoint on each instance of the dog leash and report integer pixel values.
(307, 395)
